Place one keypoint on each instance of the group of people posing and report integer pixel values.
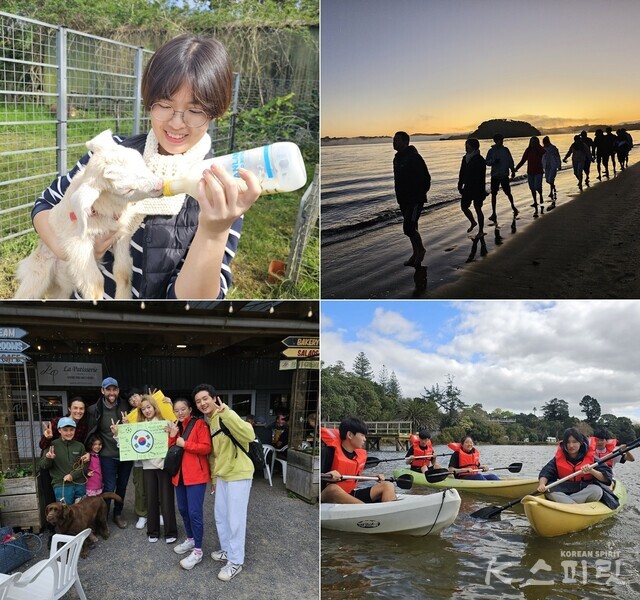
(80, 456)
(344, 456)
(412, 179)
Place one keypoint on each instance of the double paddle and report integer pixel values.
(491, 512)
(372, 461)
(438, 475)
(404, 482)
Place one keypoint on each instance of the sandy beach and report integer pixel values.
(583, 248)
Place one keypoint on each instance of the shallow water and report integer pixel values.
(456, 563)
(357, 181)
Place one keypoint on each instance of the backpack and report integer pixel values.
(173, 459)
(256, 450)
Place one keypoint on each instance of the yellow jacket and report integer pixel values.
(166, 409)
(227, 461)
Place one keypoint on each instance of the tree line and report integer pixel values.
(441, 410)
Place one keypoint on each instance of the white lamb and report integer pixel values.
(96, 202)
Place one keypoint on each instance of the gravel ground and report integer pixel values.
(282, 556)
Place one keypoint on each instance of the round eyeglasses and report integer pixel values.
(191, 117)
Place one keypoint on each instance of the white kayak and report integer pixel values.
(409, 515)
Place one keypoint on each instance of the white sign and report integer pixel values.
(70, 374)
(288, 365)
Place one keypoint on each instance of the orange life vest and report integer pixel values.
(610, 447)
(341, 463)
(465, 459)
(565, 467)
(418, 451)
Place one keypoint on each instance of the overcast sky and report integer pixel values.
(512, 355)
(440, 66)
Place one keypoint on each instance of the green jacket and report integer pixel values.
(67, 456)
(227, 461)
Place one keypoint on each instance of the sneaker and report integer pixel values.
(185, 547)
(153, 539)
(410, 262)
(120, 522)
(229, 571)
(493, 218)
(171, 540)
(191, 561)
(142, 521)
(220, 555)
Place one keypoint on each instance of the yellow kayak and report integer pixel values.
(550, 519)
(509, 487)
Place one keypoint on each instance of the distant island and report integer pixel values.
(486, 130)
(507, 127)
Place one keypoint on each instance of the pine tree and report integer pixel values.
(383, 379)
(394, 386)
(362, 366)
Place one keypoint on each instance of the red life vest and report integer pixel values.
(610, 447)
(465, 459)
(565, 467)
(418, 451)
(341, 463)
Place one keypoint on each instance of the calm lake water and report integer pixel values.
(357, 181)
(455, 564)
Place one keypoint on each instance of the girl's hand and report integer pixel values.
(102, 243)
(172, 428)
(220, 199)
(46, 429)
(85, 457)
(90, 474)
(180, 442)
(125, 417)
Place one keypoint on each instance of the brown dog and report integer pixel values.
(89, 512)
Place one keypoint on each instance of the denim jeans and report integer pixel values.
(115, 477)
(69, 492)
(190, 502)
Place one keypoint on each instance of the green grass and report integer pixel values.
(266, 236)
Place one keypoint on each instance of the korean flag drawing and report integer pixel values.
(142, 441)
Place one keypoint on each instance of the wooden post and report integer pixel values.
(8, 439)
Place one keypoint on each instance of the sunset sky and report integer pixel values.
(434, 66)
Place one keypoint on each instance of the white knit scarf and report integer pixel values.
(170, 166)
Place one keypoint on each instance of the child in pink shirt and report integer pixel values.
(94, 475)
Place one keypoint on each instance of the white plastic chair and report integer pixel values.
(282, 461)
(7, 582)
(268, 449)
(53, 577)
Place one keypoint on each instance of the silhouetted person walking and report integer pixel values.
(599, 153)
(501, 162)
(579, 154)
(610, 140)
(588, 142)
(471, 184)
(533, 157)
(412, 182)
(551, 164)
(622, 148)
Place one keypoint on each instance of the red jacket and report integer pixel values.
(197, 447)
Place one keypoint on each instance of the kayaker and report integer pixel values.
(421, 455)
(465, 461)
(576, 454)
(606, 444)
(344, 454)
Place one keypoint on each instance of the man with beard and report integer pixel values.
(104, 415)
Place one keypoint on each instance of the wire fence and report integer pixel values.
(59, 88)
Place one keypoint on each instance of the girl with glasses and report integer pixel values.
(183, 245)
